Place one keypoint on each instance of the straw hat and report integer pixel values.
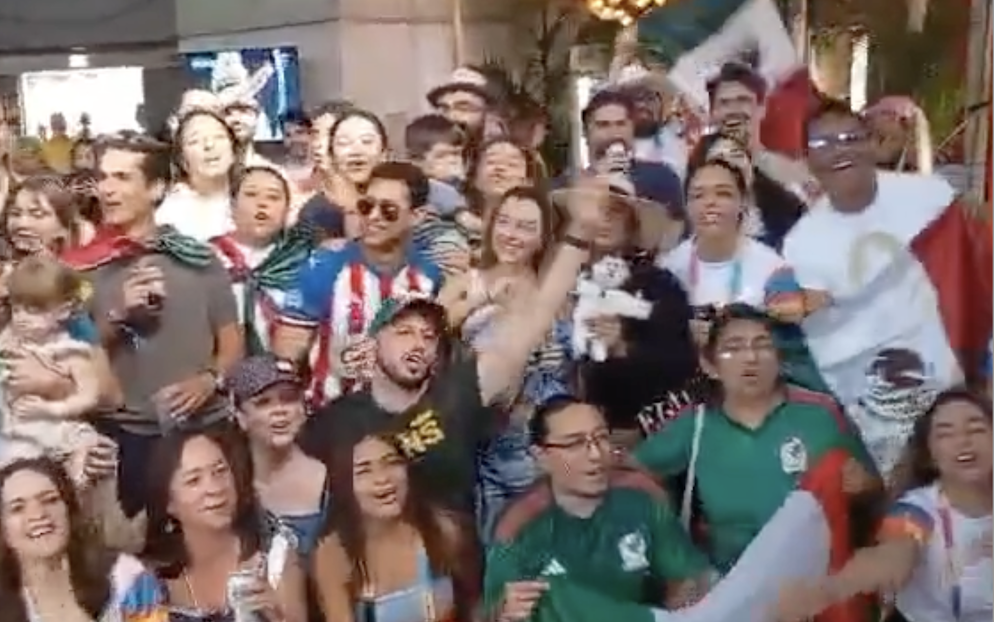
(463, 79)
(636, 76)
(657, 228)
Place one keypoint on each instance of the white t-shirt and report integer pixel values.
(761, 269)
(196, 215)
(881, 344)
(927, 597)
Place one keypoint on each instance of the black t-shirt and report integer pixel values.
(439, 434)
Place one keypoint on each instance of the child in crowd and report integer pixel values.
(43, 296)
(435, 144)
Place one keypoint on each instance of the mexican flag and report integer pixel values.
(694, 38)
(806, 539)
(911, 304)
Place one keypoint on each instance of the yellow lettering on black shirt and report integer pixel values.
(422, 433)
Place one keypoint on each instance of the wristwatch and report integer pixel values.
(576, 242)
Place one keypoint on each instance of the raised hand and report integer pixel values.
(587, 202)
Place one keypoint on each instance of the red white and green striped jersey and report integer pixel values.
(239, 260)
(338, 293)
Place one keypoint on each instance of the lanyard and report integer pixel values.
(734, 280)
(954, 565)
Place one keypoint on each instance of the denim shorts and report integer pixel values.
(506, 468)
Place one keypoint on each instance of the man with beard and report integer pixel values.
(608, 121)
(437, 403)
(465, 99)
(659, 134)
(736, 98)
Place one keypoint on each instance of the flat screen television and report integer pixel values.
(271, 76)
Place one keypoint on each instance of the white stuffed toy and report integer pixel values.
(598, 293)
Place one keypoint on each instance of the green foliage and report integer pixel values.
(923, 65)
(544, 76)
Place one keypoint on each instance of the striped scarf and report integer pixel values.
(278, 271)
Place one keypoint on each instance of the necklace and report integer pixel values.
(734, 288)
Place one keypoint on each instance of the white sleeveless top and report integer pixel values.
(124, 584)
(759, 263)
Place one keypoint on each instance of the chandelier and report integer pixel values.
(623, 11)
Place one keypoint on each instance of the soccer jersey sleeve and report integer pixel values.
(781, 282)
(501, 568)
(667, 452)
(674, 556)
(81, 327)
(309, 302)
(850, 439)
(908, 517)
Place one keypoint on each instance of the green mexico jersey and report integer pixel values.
(744, 474)
(627, 549)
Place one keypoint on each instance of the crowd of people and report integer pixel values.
(427, 382)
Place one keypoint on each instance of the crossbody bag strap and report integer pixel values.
(688, 488)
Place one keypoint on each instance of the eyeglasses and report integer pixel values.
(739, 350)
(835, 140)
(601, 440)
(389, 210)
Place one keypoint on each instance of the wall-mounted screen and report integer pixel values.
(110, 97)
(270, 76)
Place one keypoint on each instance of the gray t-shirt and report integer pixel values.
(197, 303)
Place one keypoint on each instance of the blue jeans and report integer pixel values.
(506, 470)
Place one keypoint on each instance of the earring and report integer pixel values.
(171, 525)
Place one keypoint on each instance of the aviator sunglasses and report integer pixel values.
(839, 139)
(389, 210)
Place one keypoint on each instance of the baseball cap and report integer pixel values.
(393, 308)
(255, 374)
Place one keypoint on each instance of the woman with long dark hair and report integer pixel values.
(772, 205)
(52, 565)
(40, 214)
(205, 526)
(391, 556)
(40, 217)
(934, 548)
(199, 205)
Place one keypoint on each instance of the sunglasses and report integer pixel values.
(840, 139)
(389, 210)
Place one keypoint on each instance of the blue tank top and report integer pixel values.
(305, 527)
(430, 599)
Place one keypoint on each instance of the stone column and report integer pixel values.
(384, 55)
